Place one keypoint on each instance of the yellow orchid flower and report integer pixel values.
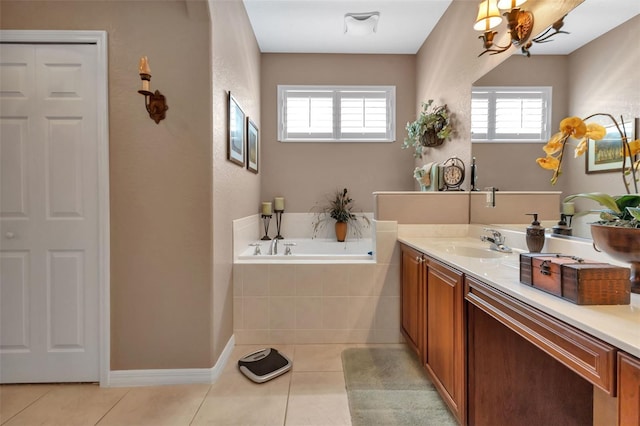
(595, 131)
(555, 143)
(549, 163)
(573, 126)
(635, 147)
(583, 132)
(582, 147)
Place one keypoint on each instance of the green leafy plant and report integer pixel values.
(339, 208)
(431, 128)
(620, 210)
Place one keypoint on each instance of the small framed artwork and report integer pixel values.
(605, 155)
(253, 146)
(237, 133)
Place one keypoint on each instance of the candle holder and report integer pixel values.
(279, 223)
(266, 218)
(568, 218)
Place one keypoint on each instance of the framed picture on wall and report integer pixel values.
(237, 134)
(605, 155)
(253, 146)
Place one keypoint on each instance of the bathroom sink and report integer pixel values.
(471, 251)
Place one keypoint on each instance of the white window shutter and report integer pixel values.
(510, 114)
(336, 113)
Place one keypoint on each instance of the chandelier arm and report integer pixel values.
(541, 39)
(495, 51)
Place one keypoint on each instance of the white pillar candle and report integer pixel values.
(569, 208)
(145, 70)
(266, 207)
(278, 203)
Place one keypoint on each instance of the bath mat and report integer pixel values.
(387, 386)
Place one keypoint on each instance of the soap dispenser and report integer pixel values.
(535, 235)
(562, 228)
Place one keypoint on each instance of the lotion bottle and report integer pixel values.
(535, 235)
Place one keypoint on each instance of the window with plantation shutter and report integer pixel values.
(510, 114)
(336, 113)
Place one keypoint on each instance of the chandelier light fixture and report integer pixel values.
(519, 22)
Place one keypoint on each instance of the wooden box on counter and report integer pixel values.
(582, 282)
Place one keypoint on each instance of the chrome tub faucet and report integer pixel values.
(273, 248)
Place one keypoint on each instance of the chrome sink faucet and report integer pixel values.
(497, 240)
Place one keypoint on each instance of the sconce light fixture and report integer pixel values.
(154, 101)
(361, 24)
(519, 22)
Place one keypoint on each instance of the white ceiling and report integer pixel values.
(317, 26)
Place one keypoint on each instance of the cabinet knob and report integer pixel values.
(10, 235)
(419, 259)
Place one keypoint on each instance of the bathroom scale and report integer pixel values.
(264, 365)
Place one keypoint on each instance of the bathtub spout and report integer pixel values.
(273, 249)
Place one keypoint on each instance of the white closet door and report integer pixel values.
(49, 311)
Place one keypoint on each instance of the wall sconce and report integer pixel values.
(153, 101)
(519, 22)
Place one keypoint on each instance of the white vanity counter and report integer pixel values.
(461, 248)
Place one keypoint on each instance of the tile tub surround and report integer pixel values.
(321, 303)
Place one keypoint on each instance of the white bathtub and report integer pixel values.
(312, 250)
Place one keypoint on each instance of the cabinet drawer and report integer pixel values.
(587, 356)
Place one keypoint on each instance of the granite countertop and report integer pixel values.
(618, 325)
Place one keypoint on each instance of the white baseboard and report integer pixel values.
(178, 376)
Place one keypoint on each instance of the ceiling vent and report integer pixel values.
(361, 24)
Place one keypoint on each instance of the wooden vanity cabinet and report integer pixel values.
(445, 346)
(628, 390)
(433, 323)
(546, 369)
(413, 298)
(495, 360)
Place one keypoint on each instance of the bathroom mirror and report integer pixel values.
(581, 86)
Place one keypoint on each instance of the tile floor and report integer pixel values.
(313, 393)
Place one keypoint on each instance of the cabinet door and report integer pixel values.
(445, 346)
(412, 298)
(628, 390)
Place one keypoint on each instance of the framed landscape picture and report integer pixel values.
(605, 155)
(236, 138)
(253, 146)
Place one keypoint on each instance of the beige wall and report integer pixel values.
(512, 166)
(171, 273)
(160, 175)
(236, 191)
(448, 65)
(305, 173)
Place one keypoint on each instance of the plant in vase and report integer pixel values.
(339, 208)
(617, 233)
(431, 128)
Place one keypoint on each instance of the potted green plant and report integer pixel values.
(431, 128)
(339, 208)
(617, 233)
